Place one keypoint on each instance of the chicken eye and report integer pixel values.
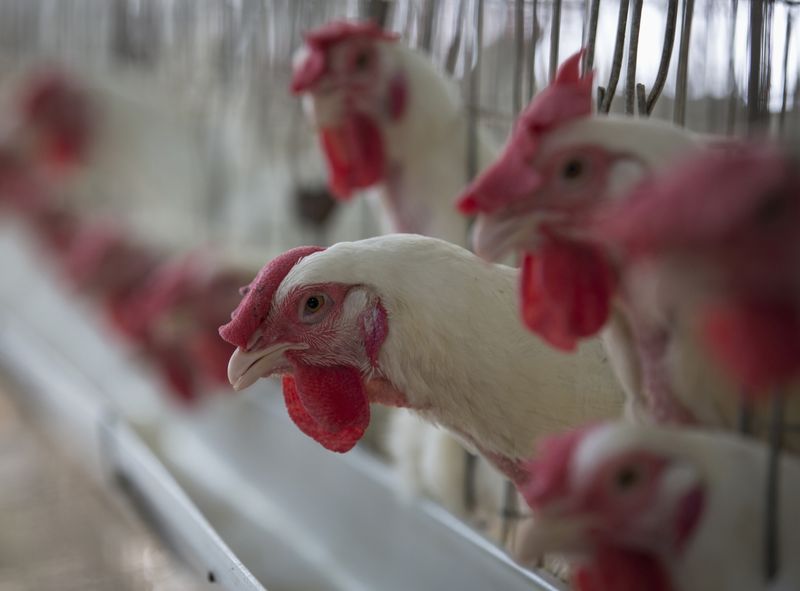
(314, 304)
(573, 169)
(362, 60)
(626, 478)
(772, 209)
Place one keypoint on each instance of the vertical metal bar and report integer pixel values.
(754, 72)
(532, 52)
(772, 497)
(765, 84)
(594, 13)
(455, 44)
(734, 95)
(744, 420)
(633, 48)
(470, 496)
(606, 95)
(666, 57)
(679, 115)
(426, 25)
(510, 511)
(474, 94)
(785, 93)
(555, 38)
(375, 10)
(519, 55)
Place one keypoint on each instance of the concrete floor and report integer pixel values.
(60, 531)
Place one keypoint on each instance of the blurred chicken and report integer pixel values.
(58, 120)
(106, 262)
(722, 233)
(48, 137)
(640, 508)
(174, 315)
(388, 119)
(559, 166)
(392, 320)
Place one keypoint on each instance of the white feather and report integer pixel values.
(457, 348)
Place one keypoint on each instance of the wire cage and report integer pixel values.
(215, 75)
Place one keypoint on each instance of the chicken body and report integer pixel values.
(420, 345)
(395, 128)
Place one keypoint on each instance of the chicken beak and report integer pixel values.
(246, 367)
(553, 534)
(495, 235)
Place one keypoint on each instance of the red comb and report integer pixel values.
(321, 39)
(512, 177)
(254, 307)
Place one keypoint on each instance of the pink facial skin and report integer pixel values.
(568, 98)
(61, 116)
(732, 218)
(343, 60)
(566, 285)
(325, 387)
(628, 529)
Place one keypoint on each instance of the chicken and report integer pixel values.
(174, 316)
(58, 120)
(723, 231)
(103, 261)
(392, 320)
(561, 164)
(48, 137)
(639, 508)
(389, 120)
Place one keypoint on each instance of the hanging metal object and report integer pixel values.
(591, 37)
(606, 95)
(475, 55)
(733, 98)
(785, 91)
(519, 55)
(633, 49)
(532, 51)
(555, 38)
(754, 113)
(455, 43)
(679, 114)
(647, 102)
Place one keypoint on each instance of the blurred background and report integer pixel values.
(199, 155)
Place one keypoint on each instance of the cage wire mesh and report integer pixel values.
(716, 66)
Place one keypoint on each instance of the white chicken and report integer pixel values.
(390, 121)
(660, 509)
(561, 165)
(388, 118)
(393, 320)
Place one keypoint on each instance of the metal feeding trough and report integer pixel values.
(232, 486)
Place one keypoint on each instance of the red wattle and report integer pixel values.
(618, 569)
(329, 404)
(354, 153)
(566, 292)
(756, 342)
